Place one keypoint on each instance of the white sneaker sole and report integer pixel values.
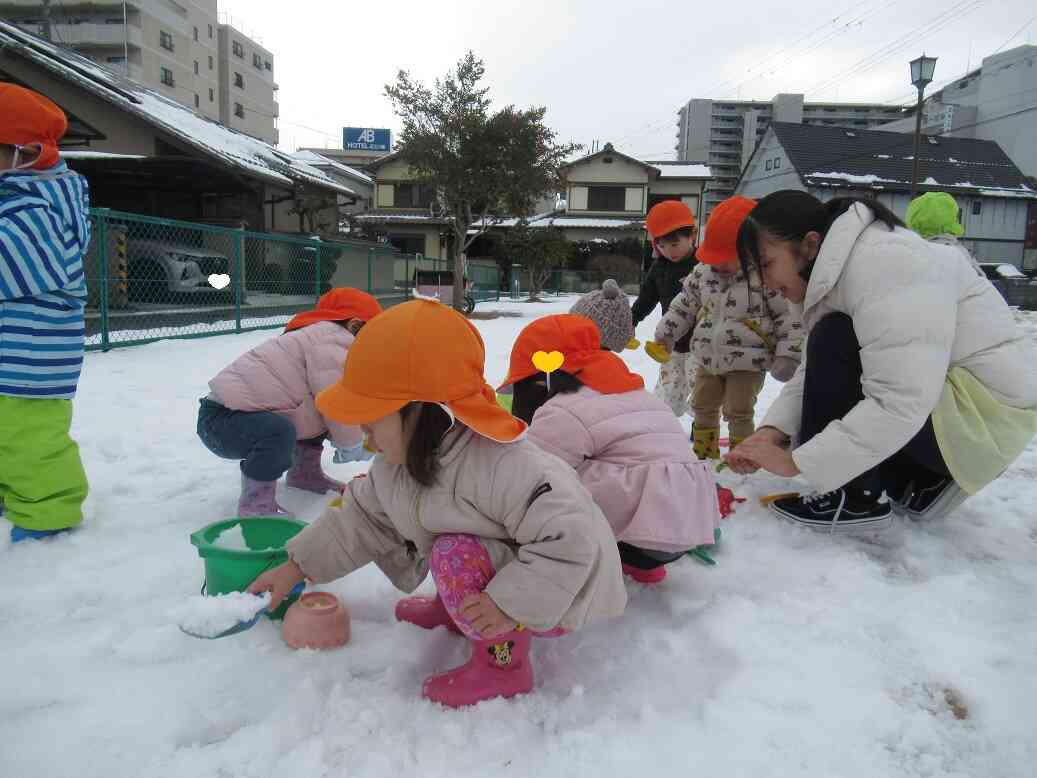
(843, 525)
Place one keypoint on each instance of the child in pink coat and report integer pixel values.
(626, 445)
(261, 408)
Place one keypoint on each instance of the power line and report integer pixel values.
(942, 19)
(1015, 34)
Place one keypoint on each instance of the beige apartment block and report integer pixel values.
(247, 88)
(171, 46)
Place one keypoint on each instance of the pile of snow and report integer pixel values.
(233, 539)
(908, 654)
(204, 616)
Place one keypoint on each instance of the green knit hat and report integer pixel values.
(934, 213)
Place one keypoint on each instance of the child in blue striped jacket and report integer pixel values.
(44, 233)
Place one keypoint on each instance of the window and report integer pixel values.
(196, 33)
(267, 65)
(112, 20)
(239, 81)
(777, 162)
(115, 60)
(210, 32)
(167, 77)
(212, 95)
(165, 40)
(257, 62)
(197, 101)
(606, 198)
(767, 165)
(977, 207)
(239, 110)
(239, 50)
(210, 62)
(196, 67)
(408, 195)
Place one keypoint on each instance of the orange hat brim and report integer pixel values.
(710, 256)
(479, 411)
(347, 407)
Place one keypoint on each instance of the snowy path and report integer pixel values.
(799, 655)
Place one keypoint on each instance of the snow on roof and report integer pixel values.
(318, 160)
(850, 178)
(242, 151)
(72, 154)
(682, 170)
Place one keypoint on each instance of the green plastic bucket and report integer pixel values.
(231, 569)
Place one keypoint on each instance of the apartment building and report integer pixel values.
(247, 88)
(171, 46)
(724, 133)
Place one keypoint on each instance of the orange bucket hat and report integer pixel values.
(720, 244)
(30, 118)
(668, 216)
(578, 340)
(419, 351)
(339, 304)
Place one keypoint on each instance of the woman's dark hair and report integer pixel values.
(431, 423)
(531, 393)
(790, 214)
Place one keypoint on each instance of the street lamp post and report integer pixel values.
(921, 76)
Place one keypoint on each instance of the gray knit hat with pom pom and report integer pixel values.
(609, 308)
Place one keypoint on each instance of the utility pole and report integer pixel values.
(45, 24)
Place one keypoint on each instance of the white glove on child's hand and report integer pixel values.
(784, 368)
(357, 453)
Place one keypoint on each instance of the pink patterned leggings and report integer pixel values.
(461, 566)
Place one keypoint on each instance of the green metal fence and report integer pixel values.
(150, 278)
(564, 281)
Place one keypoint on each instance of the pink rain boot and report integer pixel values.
(425, 612)
(499, 667)
(653, 576)
(258, 499)
(306, 474)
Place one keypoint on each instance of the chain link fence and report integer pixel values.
(150, 278)
(574, 282)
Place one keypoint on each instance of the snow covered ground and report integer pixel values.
(910, 654)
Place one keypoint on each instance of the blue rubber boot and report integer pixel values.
(18, 534)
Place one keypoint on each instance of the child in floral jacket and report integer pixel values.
(739, 331)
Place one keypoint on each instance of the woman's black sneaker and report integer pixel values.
(934, 501)
(836, 511)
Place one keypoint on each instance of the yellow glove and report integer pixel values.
(633, 344)
(658, 352)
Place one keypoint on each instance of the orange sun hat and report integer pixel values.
(419, 351)
(339, 304)
(720, 245)
(30, 118)
(668, 216)
(578, 340)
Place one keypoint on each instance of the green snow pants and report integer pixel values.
(42, 481)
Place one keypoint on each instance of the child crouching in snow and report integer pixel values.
(261, 407)
(515, 544)
(626, 445)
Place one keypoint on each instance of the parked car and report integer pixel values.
(159, 271)
(440, 284)
(1014, 285)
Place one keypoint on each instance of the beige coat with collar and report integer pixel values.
(918, 309)
(554, 552)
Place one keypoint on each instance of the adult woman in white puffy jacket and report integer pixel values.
(916, 383)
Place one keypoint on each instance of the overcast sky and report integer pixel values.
(614, 71)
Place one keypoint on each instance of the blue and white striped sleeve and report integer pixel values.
(34, 246)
